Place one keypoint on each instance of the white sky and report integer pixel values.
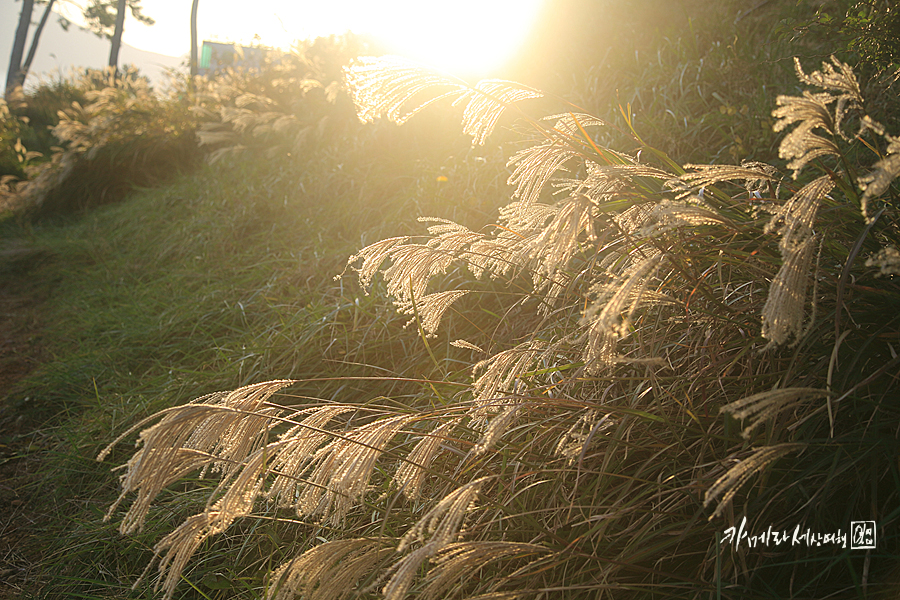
(467, 35)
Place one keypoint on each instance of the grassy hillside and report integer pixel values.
(647, 353)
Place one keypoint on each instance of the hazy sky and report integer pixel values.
(472, 35)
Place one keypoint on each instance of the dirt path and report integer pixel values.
(21, 298)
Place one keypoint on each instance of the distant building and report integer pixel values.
(216, 56)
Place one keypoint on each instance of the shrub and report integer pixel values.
(11, 148)
(42, 107)
(124, 136)
(15, 157)
(294, 103)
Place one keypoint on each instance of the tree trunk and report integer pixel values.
(194, 65)
(15, 60)
(34, 42)
(117, 36)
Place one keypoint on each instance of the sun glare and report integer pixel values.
(464, 37)
(468, 38)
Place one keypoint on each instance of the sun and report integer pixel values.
(464, 37)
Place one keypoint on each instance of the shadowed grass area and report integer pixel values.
(218, 280)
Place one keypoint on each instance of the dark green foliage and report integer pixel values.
(12, 152)
(42, 106)
(864, 33)
(870, 29)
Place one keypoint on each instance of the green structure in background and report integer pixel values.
(215, 56)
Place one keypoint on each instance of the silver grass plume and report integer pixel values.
(373, 256)
(573, 443)
(494, 256)
(811, 111)
(330, 571)
(467, 345)
(442, 523)
(397, 88)
(341, 470)
(543, 248)
(672, 214)
(524, 220)
(485, 104)
(510, 247)
(838, 78)
(757, 176)
(460, 561)
(536, 165)
(412, 471)
(184, 541)
(386, 86)
(783, 313)
(802, 145)
(413, 265)
(430, 308)
(765, 406)
(296, 449)
(627, 171)
(495, 429)
(728, 484)
(555, 246)
(631, 220)
(609, 320)
(795, 219)
(220, 429)
(602, 182)
(887, 260)
(404, 571)
(501, 371)
(179, 546)
(885, 171)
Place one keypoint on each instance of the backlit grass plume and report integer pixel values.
(628, 302)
